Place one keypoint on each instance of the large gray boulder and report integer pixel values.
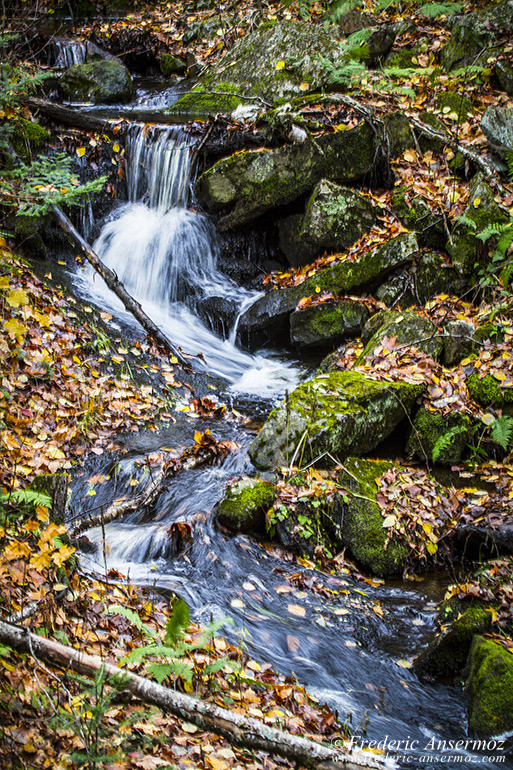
(270, 314)
(406, 328)
(100, 81)
(340, 413)
(335, 217)
(474, 34)
(497, 126)
(270, 63)
(253, 182)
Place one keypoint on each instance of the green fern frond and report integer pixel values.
(28, 497)
(497, 229)
(177, 623)
(445, 441)
(502, 432)
(432, 10)
(133, 617)
(466, 222)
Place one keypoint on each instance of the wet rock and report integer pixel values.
(487, 392)
(101, 81)
(171, 65)
(428, 143)
(497, 126)
(320, 327)
(335, 217)
(473, 35)
(245, 504)
(94, 52)
(407, 328)
(270, 314)
(447, 654)
(398, 290)
(379, 43)
(429, 427)
(341, 413)
(489, 688)
(256, 181)
(503, 72)
(418, 216)
(362, 530)
(459, 341)
(466, 249)
(249, 68)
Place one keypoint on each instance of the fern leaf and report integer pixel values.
(432, 10)
(159, 671)
(177, 622)
(502, 432)
(27, 497)
(462, 220)
(445, 441)
(133, 617)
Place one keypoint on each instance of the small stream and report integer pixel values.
(345, 642)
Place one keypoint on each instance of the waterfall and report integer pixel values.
(69, 52)
(166, 255)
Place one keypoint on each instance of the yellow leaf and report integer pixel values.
(4, 282)
(426, 526)
(389, 521)
(477, 202)
(304, 86)
(280, 64)
(493, 613)
(410, 156)
(173, 360)
(116, 147)
(432, 548)
(488, 419)
(297, 610)
(81, 151)
(62, 555)
(15, 329)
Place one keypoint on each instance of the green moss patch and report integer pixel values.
(490, 688)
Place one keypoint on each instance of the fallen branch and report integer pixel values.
(113, 282)
(146, 497)
(68, 116)
(240, 730)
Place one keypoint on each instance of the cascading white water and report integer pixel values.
(166, 256)
(68, 53)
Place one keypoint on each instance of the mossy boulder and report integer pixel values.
(467, 250)
(341, 413)
(497, 126)
(418, 216)
(254, 181)
(399, 133)
(200, 103)
(245, 504)
(397, 290)
(270, 63)
(473, 36)
(431, 143)
(101, 82)
(428, 427)
(488, 392)
(459, 341)
(408, 328)
(335, 217)
(362, 530)
(28, 137)
(319, 328)
(171, 65)
(271, 312)
(447, 654)
(456, 106)
(489, 688)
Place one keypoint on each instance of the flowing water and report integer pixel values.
(348, 645)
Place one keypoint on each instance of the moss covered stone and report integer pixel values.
(454, 105)
(277, 305)
(434, 276)
(335, 217)
(418, 216)
(341, 413)
(399, 133)
(428, 427)
(245, 504)
(362, 526)
(250, 66)
(467, 250)
(447, 654)
(473, 36)
(320, 327)
(256, 181)
(459, 341)
(170, 65)
(503, 72)
(199, 102)
(28, 137)
(101, 81)
(490, 688)
(487, 392)
(408, 328)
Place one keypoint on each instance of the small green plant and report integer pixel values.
(501, 432)
(435, 10)
(444, 442)
(167, 659)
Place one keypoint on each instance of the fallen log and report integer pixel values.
(113, 282)
(68, 116)
(240, 730)
(145, 498)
